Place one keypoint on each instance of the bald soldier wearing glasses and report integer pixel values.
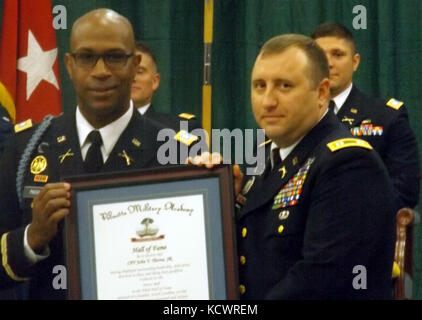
(104, 133)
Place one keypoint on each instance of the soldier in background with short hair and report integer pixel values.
(383, 123)
(146, 83)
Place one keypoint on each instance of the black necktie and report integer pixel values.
(276, 157)
(94, 158)
(276, 161)
(332, 106)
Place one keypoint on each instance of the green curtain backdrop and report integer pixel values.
(173, 29)
(390, 47)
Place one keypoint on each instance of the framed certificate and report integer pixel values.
(164, 233)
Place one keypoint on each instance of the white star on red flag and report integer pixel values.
(29, 66)
(38, 65)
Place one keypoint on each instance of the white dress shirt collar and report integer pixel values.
(284, 152)
(109, 134)
(144, 109)
(341, 98)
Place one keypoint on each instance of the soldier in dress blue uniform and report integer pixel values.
(6, 128)
(102, 65)
(319, 222)
(146, 82)
(383, 123)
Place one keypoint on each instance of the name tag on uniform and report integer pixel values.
(31, 191)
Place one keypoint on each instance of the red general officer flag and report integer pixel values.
(29, 71)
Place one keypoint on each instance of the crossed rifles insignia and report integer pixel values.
(68, 153)
(128, 159)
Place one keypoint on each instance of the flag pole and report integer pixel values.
(206, 87)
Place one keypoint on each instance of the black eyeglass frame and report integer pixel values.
(104, 56)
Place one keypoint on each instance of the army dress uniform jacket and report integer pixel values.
(59, 145)
(6, 129)
(322, 217)
(385, 125)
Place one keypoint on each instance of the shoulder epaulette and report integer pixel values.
(23, 125)
(264, 143)
(186, 116)
(348, 142)
(185, 137)
(395, 104)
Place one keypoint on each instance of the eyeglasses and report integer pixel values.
(113, 60)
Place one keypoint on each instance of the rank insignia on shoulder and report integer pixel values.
(395, 104)
(264, 143)
(348, 142)
(186, 116)
(185, 137)
(23, 125)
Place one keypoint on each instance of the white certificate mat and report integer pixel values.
(151, 249)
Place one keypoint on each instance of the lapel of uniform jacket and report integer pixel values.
(265, 190)
(65, 146)
(136, 147)
(351, 113)
(266, 186)
(47, 163)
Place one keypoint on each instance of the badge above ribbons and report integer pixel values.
(291, 191)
